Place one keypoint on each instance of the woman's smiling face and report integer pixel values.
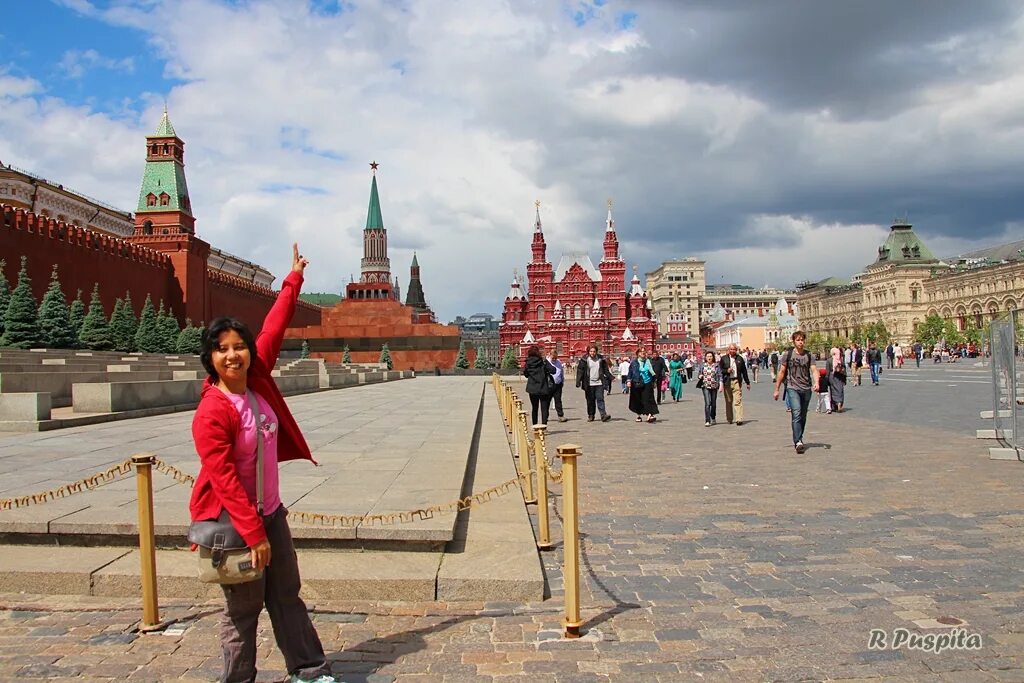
(232, 357)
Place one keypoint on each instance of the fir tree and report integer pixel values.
(167, 330)
(385, 356)
(54, 320)
(95, 332)
(461, 361)
(346, 356)
(76, 315)
(509, 360)
(117, 329)
(145, 334)
(190, 339)
(5, 294)
(21, 318)
(131, 323)
(481, 360)
(305, 349)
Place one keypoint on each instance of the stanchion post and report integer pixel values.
(143, 464)
(540, 457)
(524, 459)
(571, 528)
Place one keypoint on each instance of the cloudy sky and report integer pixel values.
(776, 140)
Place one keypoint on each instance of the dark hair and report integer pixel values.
(593, 346)
(211, 339)
(800, 334)
(534, 351)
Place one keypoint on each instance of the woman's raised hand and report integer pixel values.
(299, 262)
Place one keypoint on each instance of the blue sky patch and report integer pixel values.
(82, 60)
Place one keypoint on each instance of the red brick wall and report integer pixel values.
(84, 257)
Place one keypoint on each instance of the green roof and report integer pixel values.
(164, 177)
(903, 246)
(832, 282)
(165, 129)
(373, 217)
(415, 263)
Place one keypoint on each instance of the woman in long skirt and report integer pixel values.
(641, 388)
(837, 380)
(675, 384)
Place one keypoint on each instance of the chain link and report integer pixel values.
(87, 484)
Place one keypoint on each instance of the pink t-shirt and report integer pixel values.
(245, 451)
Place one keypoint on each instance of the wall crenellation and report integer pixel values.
(49, 228)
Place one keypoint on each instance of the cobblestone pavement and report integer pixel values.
(713, 554)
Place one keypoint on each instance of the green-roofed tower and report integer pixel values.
(164, 204)
(375, 268)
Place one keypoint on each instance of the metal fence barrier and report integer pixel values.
(1007, 387)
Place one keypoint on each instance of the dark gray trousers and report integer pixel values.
(279, 591)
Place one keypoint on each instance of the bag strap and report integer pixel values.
(255, 406)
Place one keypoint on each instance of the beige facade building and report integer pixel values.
(676, 287)
(907, 282)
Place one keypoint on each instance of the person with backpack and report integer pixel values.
(540, 383)
(773, 360)
(797, 370)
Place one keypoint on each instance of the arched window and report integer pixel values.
(165, 199)
(586, 311)
(167, 149)
(540, 313)
(577, 311)
(147, 227)
(613, 311)
(150, 199)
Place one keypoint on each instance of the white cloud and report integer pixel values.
(476, 109)
(75, 63)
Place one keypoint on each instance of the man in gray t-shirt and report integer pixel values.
(797, 370)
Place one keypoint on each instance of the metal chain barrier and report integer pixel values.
(87, 484)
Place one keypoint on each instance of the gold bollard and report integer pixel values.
(147, 543)
(510, 407)
(571, 528)
(543, 524)
(529, 496)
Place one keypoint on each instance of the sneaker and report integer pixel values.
(739, 423)
(319, 679)
(713, 422)
(707, 424)
(605, 417)
(800, 447)
(562, 418)
(590, 418)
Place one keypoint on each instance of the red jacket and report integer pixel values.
(216, 424)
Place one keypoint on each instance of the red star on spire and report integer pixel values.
(373, 166)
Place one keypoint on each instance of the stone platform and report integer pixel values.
(381, 449)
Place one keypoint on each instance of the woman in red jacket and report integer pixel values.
(224, 431)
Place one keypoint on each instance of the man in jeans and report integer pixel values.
(874, 360)
(591, 375)
(796, 370)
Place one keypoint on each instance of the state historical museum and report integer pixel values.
(569, 307)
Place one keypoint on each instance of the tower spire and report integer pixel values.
(536, 224)
(611, 223)
(539, 247)
(376, 266)
(164, 204)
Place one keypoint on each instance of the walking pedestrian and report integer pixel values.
(559, 376)
(641, 388)
(591, 375)
(688, 364)
(897, 350)
(890, 354)
(709, 380)
(918, 353)
(660, 368)
(676, 371)
(858, 363)
(773, 360)
(837, 380)
(624, 372)
(224, 430)
(796, 370)
(874, 361)
(540, 383)
(754, 365)
(734, 376)
(821, 388)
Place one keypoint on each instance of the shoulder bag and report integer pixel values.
(224, 556)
